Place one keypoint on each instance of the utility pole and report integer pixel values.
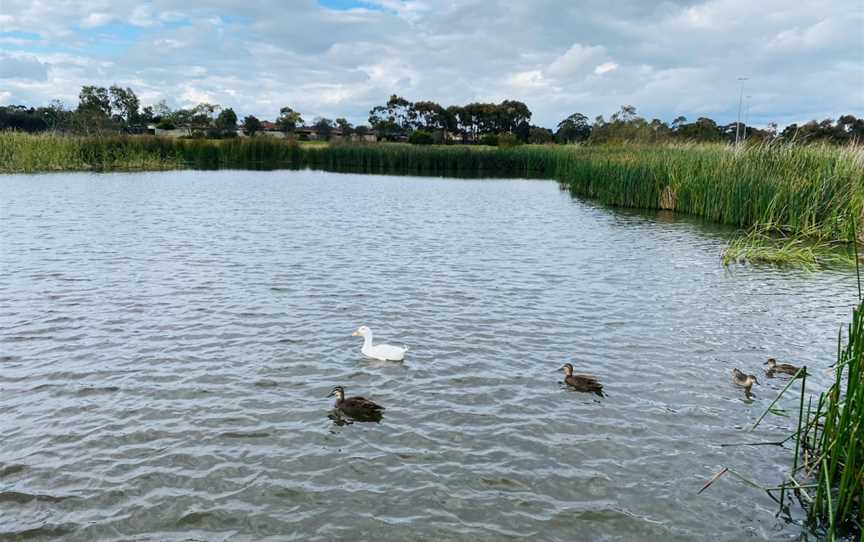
(746, 119)
(740, 103)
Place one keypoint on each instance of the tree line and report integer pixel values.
(116, 109)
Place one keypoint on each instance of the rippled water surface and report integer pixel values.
(167, 341)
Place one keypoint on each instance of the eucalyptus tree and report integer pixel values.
(573, 129)
(124, 105)
(288, 120)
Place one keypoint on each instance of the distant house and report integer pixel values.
(268, 129)
(140, 130)
(183, 131)
(311, 133)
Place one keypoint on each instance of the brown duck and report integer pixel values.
(785, 368)
(582, 382)
(743, 380)
(358, 408)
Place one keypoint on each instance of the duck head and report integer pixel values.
(338, 392)
(362, 331)
(771, 363)
(567, 368)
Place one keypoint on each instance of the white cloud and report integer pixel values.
(577, 59)
(606, 67)
(528, 79)
(142, 16)
(96, 19)
(666, 57)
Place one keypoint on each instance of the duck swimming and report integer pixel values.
(358, 408)
(582, 382)
(785, 368)
(743, 380)
(382, 352)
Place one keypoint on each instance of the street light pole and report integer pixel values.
(746, 119)
(740, 103)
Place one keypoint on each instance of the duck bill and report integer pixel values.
(355, 334)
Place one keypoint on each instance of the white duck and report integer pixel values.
(383, 352)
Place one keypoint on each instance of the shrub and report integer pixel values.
(420, 137)
(489, 139)
(507, 140)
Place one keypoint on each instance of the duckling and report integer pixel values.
(358, 408)
(774, 367)
(581, 382)
(743, 380)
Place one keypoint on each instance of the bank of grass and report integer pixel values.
(831, 441)
(807, 193)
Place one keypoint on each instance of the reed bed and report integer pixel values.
(768, 244)
(830, 442)
(813, 192)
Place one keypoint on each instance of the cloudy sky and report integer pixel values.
(804, 59)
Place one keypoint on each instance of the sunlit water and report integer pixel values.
(167, 341)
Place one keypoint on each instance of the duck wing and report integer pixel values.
(386, 352)
(360, 403)
(583, 382)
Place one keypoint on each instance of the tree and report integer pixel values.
(522, 132)
(202, 115)
(704, 129)
(429, 116)
(510, 114)
(393, 119)
(539, 135)
(147, 115)
(251, 125)
(324, 127)
(94, 110)
(94, 100)
(161, 111)
(451, 117)
(226, 123)
(852, 127)
(124, 105)
(344, 126)
(288, 120)
(57, 116)
(626, 114)
(19, 117)
(420, 137)
(573, 129)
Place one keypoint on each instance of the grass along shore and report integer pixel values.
(799, 199)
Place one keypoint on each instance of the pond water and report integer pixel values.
(168, 340)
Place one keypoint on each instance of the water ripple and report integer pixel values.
(167, 342)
